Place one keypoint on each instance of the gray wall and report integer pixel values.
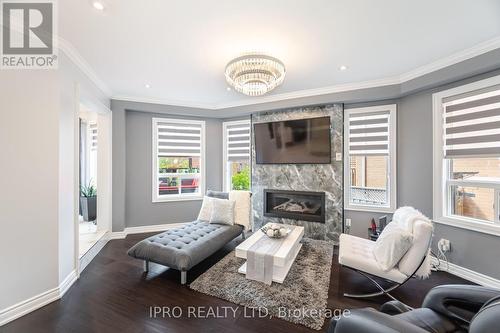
(473, 250)
(139, 208)
(132, 171)
(470, 249)
(38, 232)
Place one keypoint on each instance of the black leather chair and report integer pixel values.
(446, 309)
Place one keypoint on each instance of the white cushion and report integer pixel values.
(422, 233)
(206, 209)
(391, 246)
(421, 228)
(357, 253)
(242, 208)
(222, 211)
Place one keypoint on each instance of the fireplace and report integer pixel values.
(298, 205)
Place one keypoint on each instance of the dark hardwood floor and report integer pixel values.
(114, 295)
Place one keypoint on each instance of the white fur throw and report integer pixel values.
(242, 207)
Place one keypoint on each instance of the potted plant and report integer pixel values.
(88, 202)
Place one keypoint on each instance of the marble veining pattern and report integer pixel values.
(327, 178)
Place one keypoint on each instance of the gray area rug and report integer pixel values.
(301, 299)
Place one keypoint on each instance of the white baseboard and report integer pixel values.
(93, 251)
(67, 283)
(117, 235)
(145, 229)
(470, 275)
(22, 308)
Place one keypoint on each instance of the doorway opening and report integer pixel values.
(91, 227)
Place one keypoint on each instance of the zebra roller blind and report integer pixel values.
(178, 138)
(369, 133)
(472, 124)
(238, 142)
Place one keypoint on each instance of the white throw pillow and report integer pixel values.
(422, 234)
(222, 211)
(206, 209)
(391, 246)
(242, 207)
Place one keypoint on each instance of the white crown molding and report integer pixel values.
(160, 101)
(477, 50)
(75, 57)
(24, 307)
(83, 65)
(470, 275)
(265, 99)
(312, 92)
(453, 59)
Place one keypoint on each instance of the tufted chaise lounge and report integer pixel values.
(184, 247)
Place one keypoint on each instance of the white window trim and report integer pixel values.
(392, 172)
(440, 166)
(225, 125)
(154, 165)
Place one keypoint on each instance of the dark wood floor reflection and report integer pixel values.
(113, 295)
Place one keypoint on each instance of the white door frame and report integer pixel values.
(104, 170)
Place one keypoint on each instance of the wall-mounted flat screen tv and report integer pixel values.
(301, 141)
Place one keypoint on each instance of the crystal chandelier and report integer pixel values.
(255, 74)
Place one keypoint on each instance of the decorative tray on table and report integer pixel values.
(274, 230)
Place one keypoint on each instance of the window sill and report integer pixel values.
(368, 209)
(478, 226)
(174, 199)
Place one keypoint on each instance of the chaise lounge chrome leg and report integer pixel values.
(146, 266)
(243, 235)
(391, 288)
(183, 277)
(379, 293)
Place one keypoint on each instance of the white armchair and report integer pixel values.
(357, 253)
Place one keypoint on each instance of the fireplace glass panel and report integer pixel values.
(307, 206)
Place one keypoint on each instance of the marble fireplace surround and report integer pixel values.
(327, 178)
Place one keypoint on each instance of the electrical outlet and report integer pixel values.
(348, 223)
(338, 157)
(444, 245)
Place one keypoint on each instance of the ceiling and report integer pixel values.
(180, 48)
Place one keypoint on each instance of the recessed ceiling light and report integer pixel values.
(98, 5)
(228, 88)
(147, 85)
(343, 67)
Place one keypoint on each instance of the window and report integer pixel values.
(370, 165)
(236, 163)
(93, 152)
(178, 159)
(467, 156)
(88, 152)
